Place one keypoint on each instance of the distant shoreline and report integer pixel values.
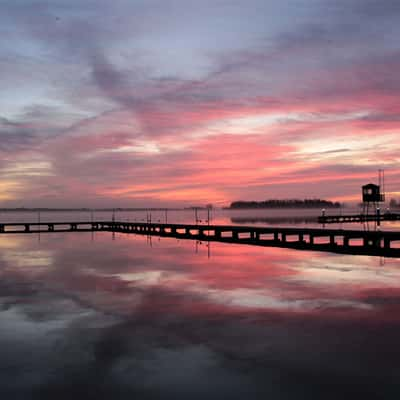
(21, 209)
(288, 203)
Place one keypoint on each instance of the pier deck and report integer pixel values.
(376, 243)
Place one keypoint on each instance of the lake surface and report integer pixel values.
(97, 315)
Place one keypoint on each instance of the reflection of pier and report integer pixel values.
(337, 219)
(379, 243)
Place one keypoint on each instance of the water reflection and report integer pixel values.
(102, 318)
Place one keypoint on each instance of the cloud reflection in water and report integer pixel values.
(102, 318)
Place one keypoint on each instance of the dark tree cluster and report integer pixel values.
(287, 203)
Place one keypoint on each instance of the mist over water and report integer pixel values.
(97, 315)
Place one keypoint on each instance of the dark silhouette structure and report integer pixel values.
(377, 243)
(374, 194)
(371, 195)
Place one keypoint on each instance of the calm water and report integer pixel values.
(100, 316)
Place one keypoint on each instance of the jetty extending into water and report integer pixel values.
(338, 219)
(375, 243)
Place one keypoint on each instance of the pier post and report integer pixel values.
(27, 228)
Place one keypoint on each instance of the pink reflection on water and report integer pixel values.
(263, 319)
(129, 274)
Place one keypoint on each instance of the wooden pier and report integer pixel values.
(338, 219)
(376, 243)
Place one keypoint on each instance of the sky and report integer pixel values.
(163, 103)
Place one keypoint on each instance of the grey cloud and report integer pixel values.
(15, 136)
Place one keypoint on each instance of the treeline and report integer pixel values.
(287, 203)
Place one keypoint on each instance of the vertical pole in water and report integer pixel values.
(208, 216)
(195, 215)
(39, 225)
(166, 216)
(91, 220)
(378, 216)
(113, 220)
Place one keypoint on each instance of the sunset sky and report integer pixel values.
(183, 102)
